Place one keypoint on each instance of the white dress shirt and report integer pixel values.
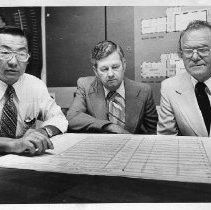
(120, 90)
(33, 103)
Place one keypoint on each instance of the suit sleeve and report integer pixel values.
(167, 123)
(150, 115)
(78, 116)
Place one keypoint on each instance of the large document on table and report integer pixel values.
(186, 159)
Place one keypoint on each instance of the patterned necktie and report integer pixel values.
(204, 103)
(116, 107)
(9, 115)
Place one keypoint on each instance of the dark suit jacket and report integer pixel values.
(89, 112)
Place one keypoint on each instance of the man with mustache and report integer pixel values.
(109, 102)
(185, 99)
(24, 99)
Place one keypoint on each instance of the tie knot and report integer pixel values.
(10, 91)
(111, 95)
(200, 87)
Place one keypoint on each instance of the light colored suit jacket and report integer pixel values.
(89, 112)
(179, 112)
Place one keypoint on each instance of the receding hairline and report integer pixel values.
(194, 26)
(23, 46)
(15, 35)
(192, 30)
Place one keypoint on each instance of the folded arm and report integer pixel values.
(78, 115)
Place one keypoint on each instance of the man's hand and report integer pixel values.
(113, 128)
(37, 139)
(34, 142)
(18, 146)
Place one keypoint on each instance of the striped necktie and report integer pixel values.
(116, 107)
(9, 115)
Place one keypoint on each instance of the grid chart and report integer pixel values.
(150, 158)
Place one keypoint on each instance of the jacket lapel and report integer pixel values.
(188, 105)
(97, 99)
(133, 105)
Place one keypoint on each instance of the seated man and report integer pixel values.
(109, 102)
(24, 99)
(185, 99)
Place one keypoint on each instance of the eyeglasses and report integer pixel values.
(8, 55)
(203, 52)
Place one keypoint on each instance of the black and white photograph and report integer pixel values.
(105, 105)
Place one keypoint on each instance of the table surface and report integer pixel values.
(25, 186)
(28, 186)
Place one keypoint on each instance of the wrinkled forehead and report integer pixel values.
(197, 35)
(13, 42)
(113, 58)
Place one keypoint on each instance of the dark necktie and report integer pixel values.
(204, 103)
(116, 107)
(9, 115)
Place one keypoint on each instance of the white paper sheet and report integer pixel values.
(149, 157)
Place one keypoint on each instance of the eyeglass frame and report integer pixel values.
(12, 53)
(196, 51)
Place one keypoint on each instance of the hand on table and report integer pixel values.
(34, 142)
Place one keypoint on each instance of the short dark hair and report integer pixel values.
(194, 25)
(103, 49)
(14, 30)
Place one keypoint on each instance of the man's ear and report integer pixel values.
(179, 52)
(30, 57)
(95, 70)
(124, 64)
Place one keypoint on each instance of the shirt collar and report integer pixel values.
(207, 83)
(120, 90)
(3, 87)
(17, 86)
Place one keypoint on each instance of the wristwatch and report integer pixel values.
(48, 131)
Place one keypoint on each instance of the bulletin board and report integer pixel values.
(156, 34)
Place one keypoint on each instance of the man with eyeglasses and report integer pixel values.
(185, 99)
(23, 100)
